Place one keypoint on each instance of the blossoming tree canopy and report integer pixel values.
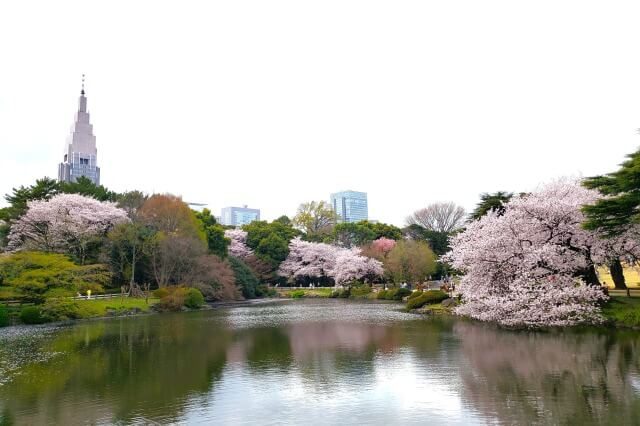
(65, 223)
(238, 247)
(520, 268)
(318, 260)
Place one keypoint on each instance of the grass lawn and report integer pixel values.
(99, 307)
(316, 292)
(623, 310)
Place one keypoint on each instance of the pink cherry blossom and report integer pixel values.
(65, 223)
(520, 268)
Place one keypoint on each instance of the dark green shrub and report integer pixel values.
(193, 299)
(265, 291)
(334, 294)
(4, 316)
(297, 294)
(31, 315)
(427, 298)
(160, 293)
(400, 293)
(60, 310)
(245, 277)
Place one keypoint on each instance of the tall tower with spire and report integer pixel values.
(80, 154)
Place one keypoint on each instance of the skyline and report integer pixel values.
(285, 103)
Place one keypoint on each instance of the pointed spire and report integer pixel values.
(82, 91)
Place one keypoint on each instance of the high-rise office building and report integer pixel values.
(238, 216)
(80, 154)
(351, 206)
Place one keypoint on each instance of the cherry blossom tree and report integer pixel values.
(238, 247)
(351, 265)
(533, 265)
(67, 223)
(318, 260)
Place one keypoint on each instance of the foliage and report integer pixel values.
(37, 275)
(84, 186)
(245, 278)
(382, 294)
(217, 243)
(269, 241)
(438, 241)
(169, 215)
(61, 309)
(31, 315)
(410, 261)
(265, 291)
(129, 246)
(429, 297)
(193, 299)
(396, 293)
(315, 218)
(522, 268)
(161, 292)
(273, 249)
(179, 298)
(614, 213)
(214, 277)
(347, 234)
(4, 316)
(439, 217)
(491, 202)
(67, 223)
(359, 290)
(401, 293)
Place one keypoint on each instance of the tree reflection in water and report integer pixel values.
(573, 376)
(372, 364)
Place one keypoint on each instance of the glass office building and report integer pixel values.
(351, 206)
(238, 216)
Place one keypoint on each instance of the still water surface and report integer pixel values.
(315, 362)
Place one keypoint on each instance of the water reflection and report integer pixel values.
(574, 377)
(320, 362)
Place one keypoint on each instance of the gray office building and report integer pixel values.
(351, 206)
(80, 154)
(238, 216)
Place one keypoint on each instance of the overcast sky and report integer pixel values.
(272, 103)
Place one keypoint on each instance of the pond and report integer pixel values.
(315, 362)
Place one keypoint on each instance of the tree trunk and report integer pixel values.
(133, 267)
(615, 268)
(589, 276)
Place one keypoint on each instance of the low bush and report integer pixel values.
(160, 293)
(193, 299)
(382, 295)
(400, 293)
(427, 298)
(4, 316)
(360, 290)
(177, 298)
(31, 315)
(60, 310)
(297, 294)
